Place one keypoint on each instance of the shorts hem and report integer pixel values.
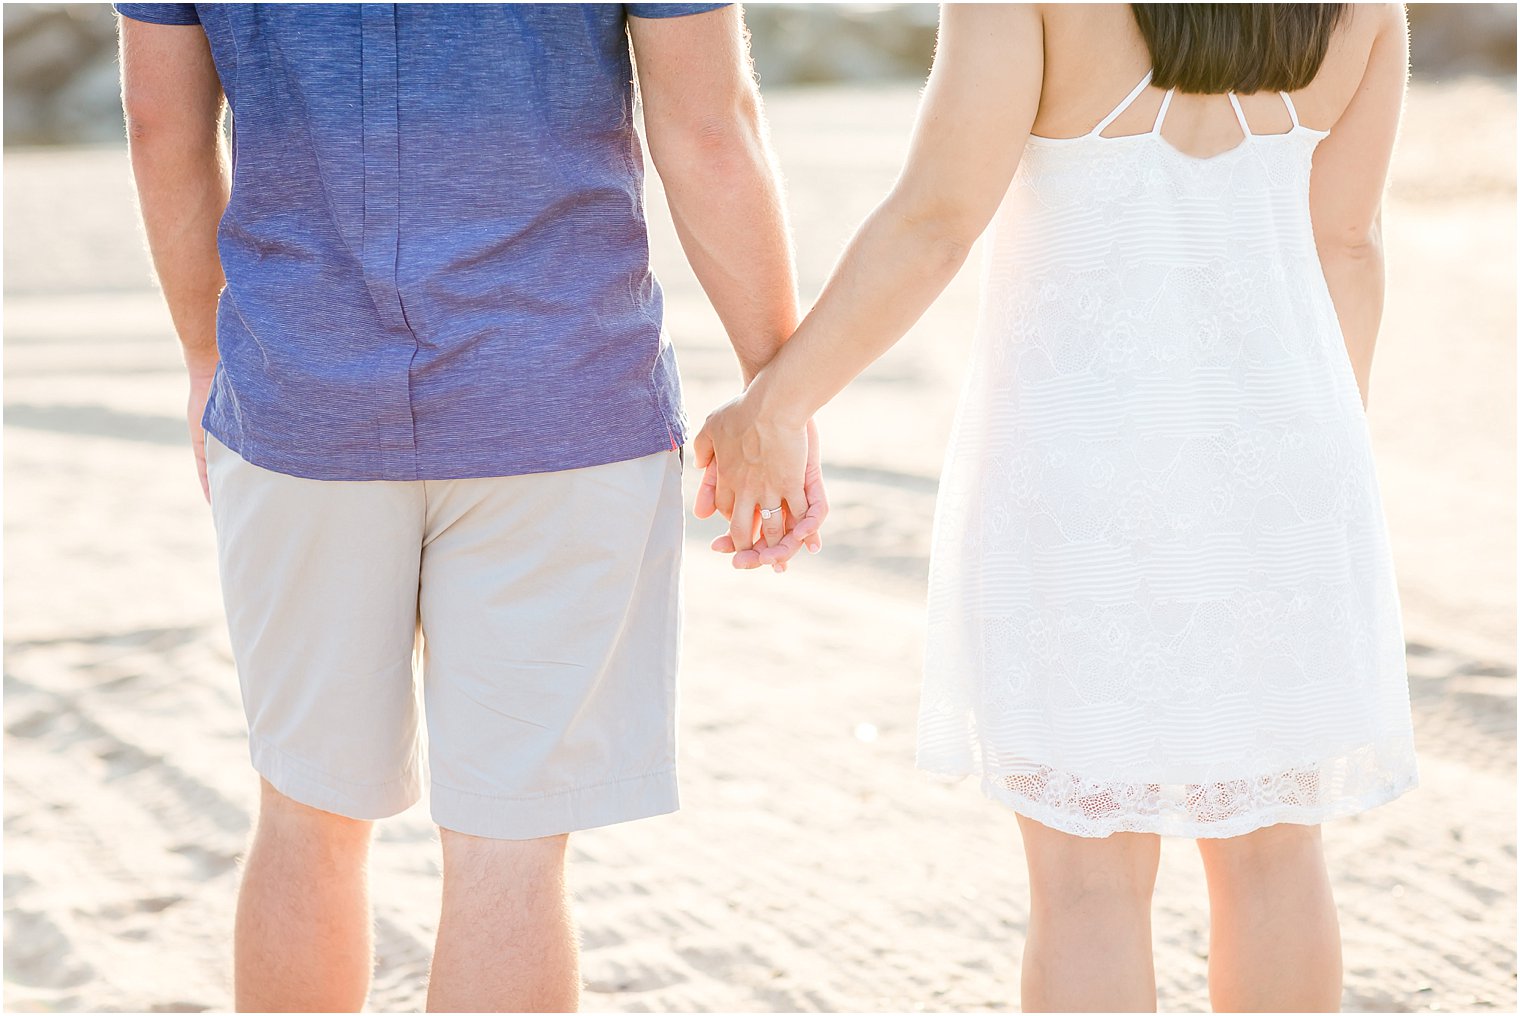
(528, 818)
(306, 784)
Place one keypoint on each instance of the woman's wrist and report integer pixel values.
(776, 402)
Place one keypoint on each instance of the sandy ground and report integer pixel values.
(811, 867)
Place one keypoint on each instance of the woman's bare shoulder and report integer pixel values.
(1345, 65)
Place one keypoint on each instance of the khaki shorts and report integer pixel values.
(544, 611)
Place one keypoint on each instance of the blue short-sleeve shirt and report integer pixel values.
(436, 258)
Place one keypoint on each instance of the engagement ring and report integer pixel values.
(766, 513)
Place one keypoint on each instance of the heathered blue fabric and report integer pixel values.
(436, 257)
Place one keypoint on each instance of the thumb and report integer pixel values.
(702, 449)
(707, 493)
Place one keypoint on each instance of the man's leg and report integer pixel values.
(506, 940)
(303, 941)
(551, 622)
(319, 578)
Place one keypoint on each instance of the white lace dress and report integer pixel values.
(1161, 594)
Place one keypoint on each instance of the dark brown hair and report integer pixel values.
(1236, 47)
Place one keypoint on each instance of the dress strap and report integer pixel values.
(1240, 115)
(1292, 112)
(1166, 102)
(1123, 104)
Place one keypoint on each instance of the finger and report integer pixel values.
(807, 526)
(797, 502)
(789, 544)
(803, 533)
(783, 551)
(707, 493)
(817, 496)
(724, 544)
(723, 497)
(813, 539)
(774, 527)
(748, 559)
(741, 524)
(779, 555)
(702, 449)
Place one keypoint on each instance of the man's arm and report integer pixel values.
(705, 129)
(173, 103)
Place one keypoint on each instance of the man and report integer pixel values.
(437, 399)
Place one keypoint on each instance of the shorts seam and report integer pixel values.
(668, 771)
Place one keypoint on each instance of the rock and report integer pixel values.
(60, 74)
(1450, 39)
(61, 80)
(809, 43)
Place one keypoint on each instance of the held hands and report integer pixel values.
(764, 477)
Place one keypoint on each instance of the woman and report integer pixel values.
(1161, 597)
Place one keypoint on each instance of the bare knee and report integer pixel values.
(507, 878)
(289, 820)
(533, 859)
(1285, 847)
(1068, 872)
(1279, 869)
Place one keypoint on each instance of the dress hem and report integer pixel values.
(1173, 825)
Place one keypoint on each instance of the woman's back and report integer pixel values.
(1161, 595)
(1095, 53)
(1120, 248)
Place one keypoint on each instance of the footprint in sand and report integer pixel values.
(205, 862)
(39, 955)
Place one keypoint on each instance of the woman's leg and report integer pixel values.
(1089, 942)
(1274, 940)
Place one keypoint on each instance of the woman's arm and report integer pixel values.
(1346, 192)
(972, 126)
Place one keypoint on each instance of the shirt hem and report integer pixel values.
(158, 14)
(323, 466)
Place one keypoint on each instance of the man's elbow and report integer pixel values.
(149, 119)
(721, 140)
(154, 117)
(141, 130)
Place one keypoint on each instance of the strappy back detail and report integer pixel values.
(1123, 105)
(1240, 114)
(1292, 111)
(1166, 102)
